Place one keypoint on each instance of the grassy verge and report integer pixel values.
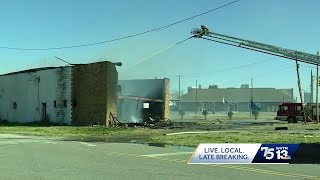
(143, 135)
(193, 140)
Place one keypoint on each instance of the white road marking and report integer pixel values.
(166, 154)
(197, 132)
(87, 144)
(48, 142)
(17, 142)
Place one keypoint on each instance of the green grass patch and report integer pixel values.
(297, 133)
(193, 140)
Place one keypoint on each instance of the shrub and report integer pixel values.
(255, 114)
(181, 113)
(230, 114)
(205, 113)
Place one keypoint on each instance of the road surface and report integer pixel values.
(24, 157)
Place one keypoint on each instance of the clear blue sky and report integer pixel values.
(292, 24)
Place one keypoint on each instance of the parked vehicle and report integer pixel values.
(294, 112)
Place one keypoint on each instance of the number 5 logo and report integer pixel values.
(268, 152)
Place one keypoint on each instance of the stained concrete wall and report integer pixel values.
(32, 88)
(94, 93)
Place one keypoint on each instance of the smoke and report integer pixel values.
(131, 108)
(134, 119)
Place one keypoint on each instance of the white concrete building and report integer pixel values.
(37, 94)
(81, 94)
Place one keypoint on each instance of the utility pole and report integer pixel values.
(300, 92)
(311, 88)
(196, 97)
(251, 97)
(317, 112)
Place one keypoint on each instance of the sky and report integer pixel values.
(291, 24)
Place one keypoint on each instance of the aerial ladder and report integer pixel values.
(204, 33)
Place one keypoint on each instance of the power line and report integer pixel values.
(193, 75)
(121, 38)
(260, 76)
(227, 69)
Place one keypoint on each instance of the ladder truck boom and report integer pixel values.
(204, 33)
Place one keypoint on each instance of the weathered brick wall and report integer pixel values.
(93, 91)
(166, 98)
(112, 90)
(62, 114)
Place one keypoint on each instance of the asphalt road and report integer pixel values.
(35, 158)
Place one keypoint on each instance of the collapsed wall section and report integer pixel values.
(133, 94)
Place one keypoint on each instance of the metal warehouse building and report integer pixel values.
(80, 94)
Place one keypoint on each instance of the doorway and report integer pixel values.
(43, 111)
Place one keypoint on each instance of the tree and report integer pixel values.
(255, 114)
(181, 113)
(175, 94)
(205, 113)
(230, 114)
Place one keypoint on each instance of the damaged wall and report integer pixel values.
(30, 95)
(143, 91)
(94, 93)
(63, 101)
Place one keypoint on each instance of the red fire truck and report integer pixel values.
(291, 112)
(294, 112)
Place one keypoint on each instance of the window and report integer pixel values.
(65, 103)
(15, 105)
(55, 103)
(298, 108)
(145, 105)
(283, 108)
(74, 103)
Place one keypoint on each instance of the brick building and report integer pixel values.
(80, 94)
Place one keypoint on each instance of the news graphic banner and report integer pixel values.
(256, 154)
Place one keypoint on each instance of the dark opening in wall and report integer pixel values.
(65, 103)
(55, 103)
(74, 103)
(15, 105)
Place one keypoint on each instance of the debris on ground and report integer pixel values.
(281, 128)
(219, 121)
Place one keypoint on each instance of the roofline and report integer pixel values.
(142, 79)
(33, 70)
(287, 101)
(46, 68)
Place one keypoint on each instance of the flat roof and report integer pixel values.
(32, 70)
(46, 68)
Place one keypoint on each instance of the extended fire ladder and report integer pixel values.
(204, 33)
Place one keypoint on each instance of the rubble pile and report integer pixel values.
(157, 123)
